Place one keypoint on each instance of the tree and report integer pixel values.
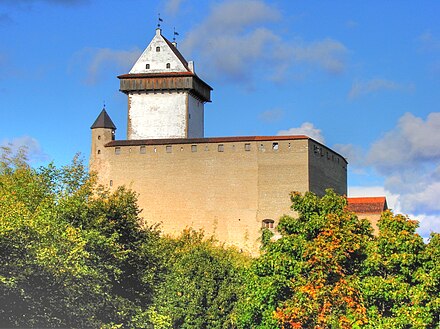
(71, 254)
(401, 276)
(309, 278)
(202, 283)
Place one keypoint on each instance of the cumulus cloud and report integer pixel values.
(99, 60)
(413, 141)
(34, 151)
(362, 88)
(408, 158)
(173, 6)
(307, 129)
(354, 154)
(427, 223)
(271, 116)
(328, 54)
(236, 40)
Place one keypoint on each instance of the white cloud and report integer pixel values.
(271, 116)
(328, 54)
(100, 60)
(408, 157)
(427, 222)
(414, 141)
(307, 129)
(354, 154)
(173, 6)
(34, 151)
(236, 40)
(362, 88)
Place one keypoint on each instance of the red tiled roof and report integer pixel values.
(367, 205)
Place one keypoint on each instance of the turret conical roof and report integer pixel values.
(103, 121)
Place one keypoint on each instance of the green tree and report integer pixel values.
(202, 283)
(401, 276)
(310, 276)
(71, 254)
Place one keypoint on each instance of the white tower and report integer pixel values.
(165, 97)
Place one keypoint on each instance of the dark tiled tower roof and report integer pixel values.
(103, 121)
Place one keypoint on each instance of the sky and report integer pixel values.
(363, 77)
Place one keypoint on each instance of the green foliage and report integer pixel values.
(202, 283)
(401, 279)
(310, 276)
(71, 255)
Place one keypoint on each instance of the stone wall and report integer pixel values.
(225, 187)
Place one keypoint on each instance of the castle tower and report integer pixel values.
(165, 97)
(103, 132)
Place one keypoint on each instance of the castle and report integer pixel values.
(230, 187)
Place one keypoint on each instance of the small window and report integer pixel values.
(155, 150)
(193, 148)
(111, 183)
(268, 223)
(157, 49)
(143, 150)
(247, 146)
(206, 148)
(290, 146)
(181, 149)
(221, 148)
(169, 148)
(261, 147)
(99, 151)
(113, 135)
(275, 146)
(147, 66)
(117, 150)
(99, 137)
(168, 65)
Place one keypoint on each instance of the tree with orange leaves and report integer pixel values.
(309, 278)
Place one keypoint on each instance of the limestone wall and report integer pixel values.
(227, 188)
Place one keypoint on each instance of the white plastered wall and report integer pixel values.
(157, 115)
(157, 60)
(195, 118)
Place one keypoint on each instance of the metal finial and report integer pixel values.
(174, 35)
(159, 20)
(104, 104)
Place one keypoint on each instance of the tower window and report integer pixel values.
(143, 150)
(157, 49)
(221, 148)
(247, 146)
(147, 66)
(99, 137)
(99, 151)
(117, 150)
(193, 148)
(168, 65)
(169, 148)
(275, 146)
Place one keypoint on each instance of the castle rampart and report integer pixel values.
(229, 186)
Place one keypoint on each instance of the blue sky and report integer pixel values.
(362, 77)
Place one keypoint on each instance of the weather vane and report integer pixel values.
(159, 20)
(174, 35)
